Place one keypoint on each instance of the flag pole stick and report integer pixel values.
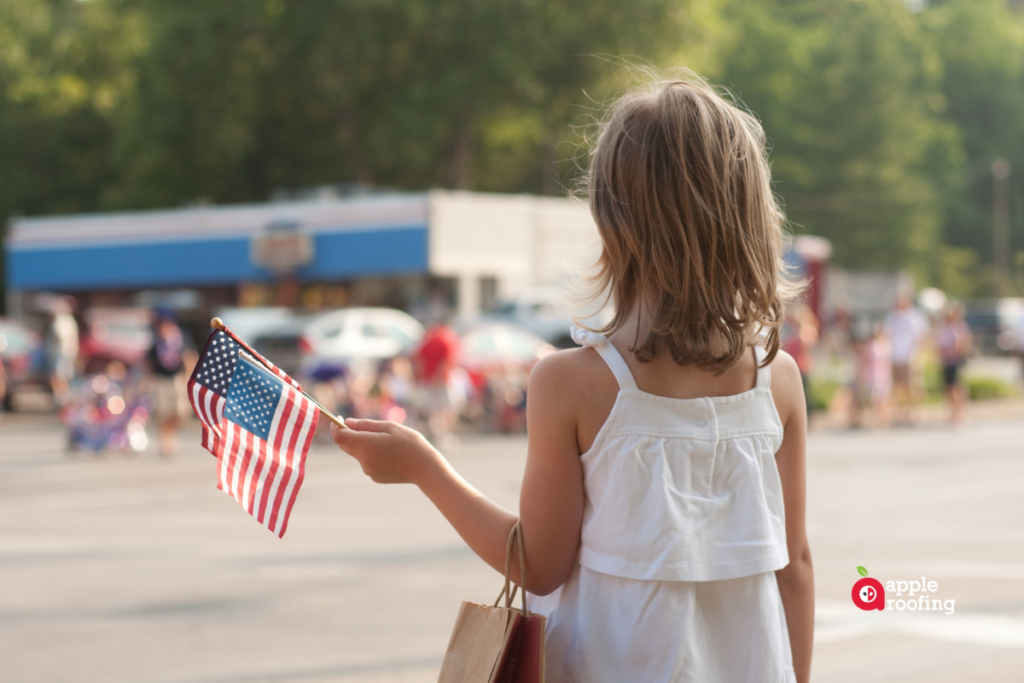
(218, 324)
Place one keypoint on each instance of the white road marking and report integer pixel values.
(964, 569)
(836, 621)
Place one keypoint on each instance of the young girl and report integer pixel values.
(953, 339)
(663, 500)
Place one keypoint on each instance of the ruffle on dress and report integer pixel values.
(588, 338)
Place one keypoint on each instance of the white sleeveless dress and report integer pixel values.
(683, 530)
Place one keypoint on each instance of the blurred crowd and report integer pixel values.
(888, 385)
(443, 383)
(889, 359)
(119, 375)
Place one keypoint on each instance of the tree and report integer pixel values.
(409, 93)
(883, 122)
(62, 74)
(982, 43)
(847, 93)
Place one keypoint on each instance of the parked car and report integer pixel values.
(343, 336)
(250, 323)
(546, 312)
(498, 357)
(116, 334)
(489, 345)
(992, 323)
(23, 363)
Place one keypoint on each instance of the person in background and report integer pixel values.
(953, 339)
(873, 378)
(799, 337)
(3, 386)
(62, 349)
(170, 357)
(881, 376)
(434, 361)
(1018, 344)
(906, 327)
(327, 382)
(397, 384)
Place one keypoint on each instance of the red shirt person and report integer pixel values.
(437, 354)
(434, 360)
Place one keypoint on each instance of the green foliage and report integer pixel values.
(62, 71)
(845, 93)
(883, 123)
(984, 388)
(820, 392)
(934, 384)
(961, 275)
(979, 388)
(409, 94)
(982, 44)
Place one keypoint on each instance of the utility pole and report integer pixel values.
(1001, 224)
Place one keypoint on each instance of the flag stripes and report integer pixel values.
(211, 381)
(209, 408)
(264, 472)
(258, 424)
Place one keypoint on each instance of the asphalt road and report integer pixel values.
(137, 570)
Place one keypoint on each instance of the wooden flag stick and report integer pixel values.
(218, 324)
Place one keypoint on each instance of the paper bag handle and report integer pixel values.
(509, 591)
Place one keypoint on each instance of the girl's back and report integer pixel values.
(660, 377)
(683, 525)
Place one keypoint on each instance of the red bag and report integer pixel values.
(497, 644)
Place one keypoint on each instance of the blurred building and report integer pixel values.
(808, 256)
(418, 251)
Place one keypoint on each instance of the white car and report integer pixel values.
(362, 334)
(250, 323)
(547, 313)
(346, 335)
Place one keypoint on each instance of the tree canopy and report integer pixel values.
(884, 121)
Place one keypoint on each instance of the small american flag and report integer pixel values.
(211, 380)
(265, 432)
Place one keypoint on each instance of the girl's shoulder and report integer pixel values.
(583, 370)
(574, 390)
(575, 372)
(787, 386)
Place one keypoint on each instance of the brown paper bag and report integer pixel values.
(492, 644)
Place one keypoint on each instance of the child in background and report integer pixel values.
(880, 376)
(662, 505)
(953, 339)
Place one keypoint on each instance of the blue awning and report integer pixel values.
(211, 246)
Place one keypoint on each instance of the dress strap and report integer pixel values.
(764, 375)
(616, 363)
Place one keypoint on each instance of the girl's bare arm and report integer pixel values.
(796, 580)
(551, 500)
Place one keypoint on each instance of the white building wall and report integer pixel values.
(521, 240)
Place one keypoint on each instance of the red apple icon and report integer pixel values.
(868, 593)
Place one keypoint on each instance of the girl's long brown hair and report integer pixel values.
(679, 186)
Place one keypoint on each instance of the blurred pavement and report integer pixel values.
(135, 569)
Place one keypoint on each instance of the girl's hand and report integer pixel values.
(389, 453)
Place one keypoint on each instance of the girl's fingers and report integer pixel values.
(360, 434)
(387, 452)
(349, 437)
(336, 433)
(368, 425)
